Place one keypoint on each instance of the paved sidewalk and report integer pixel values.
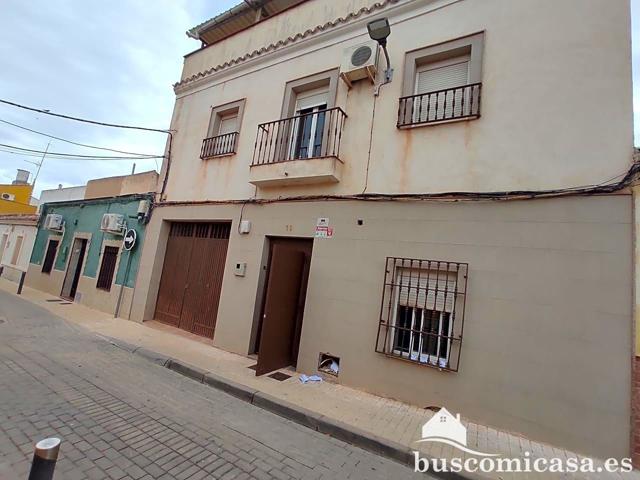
(121, 417)
(389, 420)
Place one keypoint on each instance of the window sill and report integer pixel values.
(219, 155)
(411, 126)
(419, 364)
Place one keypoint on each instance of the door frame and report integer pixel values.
(261, 295)
(77, 236)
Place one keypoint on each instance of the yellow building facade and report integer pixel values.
(16, 199)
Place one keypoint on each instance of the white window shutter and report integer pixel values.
(449, 76)
(428, 289)
(314, 101)
(228, 124)
(435, 107)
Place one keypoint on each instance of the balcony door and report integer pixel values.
(309, 125)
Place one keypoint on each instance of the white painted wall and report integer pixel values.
(61, 195)
(28, 232)
(556, 103)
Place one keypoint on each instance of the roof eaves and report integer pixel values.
(218, 19)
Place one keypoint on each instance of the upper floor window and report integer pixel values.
(442, 83)
(310, 107)
(224, 129)
(310, 124)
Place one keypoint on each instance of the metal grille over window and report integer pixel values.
(220, 230)
(50, 256)
(422, 311)
(108, 268)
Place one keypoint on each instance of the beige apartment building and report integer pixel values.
(459, 236)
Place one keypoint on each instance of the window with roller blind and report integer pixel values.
(442, 83)
(423, 311)
(439, 77)
(224, 129)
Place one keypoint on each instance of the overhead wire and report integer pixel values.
(74, 155)
(70, 141)
(169, 132)
(84, 120)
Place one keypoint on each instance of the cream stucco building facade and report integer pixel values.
(461, 236)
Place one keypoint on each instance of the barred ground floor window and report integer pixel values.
(422, 312)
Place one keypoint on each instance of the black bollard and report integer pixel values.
(21, 284)
(44, 459)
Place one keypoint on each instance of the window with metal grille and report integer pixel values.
(108, 268)
(422, 312)
(50, 256)
(220, 230)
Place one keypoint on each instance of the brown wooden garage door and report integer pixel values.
(191, 281)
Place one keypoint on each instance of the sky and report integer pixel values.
(113, 62)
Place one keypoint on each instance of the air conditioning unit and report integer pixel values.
(359, 62)
(53, 221)
(8, 196)
(112, 223)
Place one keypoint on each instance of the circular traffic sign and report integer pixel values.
(129, 239)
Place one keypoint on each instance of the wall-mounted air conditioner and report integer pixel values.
(53, 221)
(359, 62)
(8, 196)
(112, 223)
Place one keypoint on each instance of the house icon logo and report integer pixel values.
(443, 427)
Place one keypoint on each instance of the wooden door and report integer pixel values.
(174, 273)
(204, 282)
(72, 277)
(284, 304)
(192, 275)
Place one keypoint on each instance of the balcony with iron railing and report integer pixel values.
(440, 106)
(304, 149)
(219, 145)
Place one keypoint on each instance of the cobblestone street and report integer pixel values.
(121, 417)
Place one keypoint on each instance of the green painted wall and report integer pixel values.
(84, 216)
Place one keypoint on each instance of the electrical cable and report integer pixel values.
(84, 120)
(78, 156)
(632, 175)
(70, 141)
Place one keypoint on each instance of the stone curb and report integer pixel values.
(314, 421)
(288, 410)
(129, 347)
(152, 356)
(187, 370)
(229, 386)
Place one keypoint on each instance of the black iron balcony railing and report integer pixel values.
(224, 144)
(312, 135)
(456, 103)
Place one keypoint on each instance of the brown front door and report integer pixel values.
(282, 315)
(72, 277)
(191, 282)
